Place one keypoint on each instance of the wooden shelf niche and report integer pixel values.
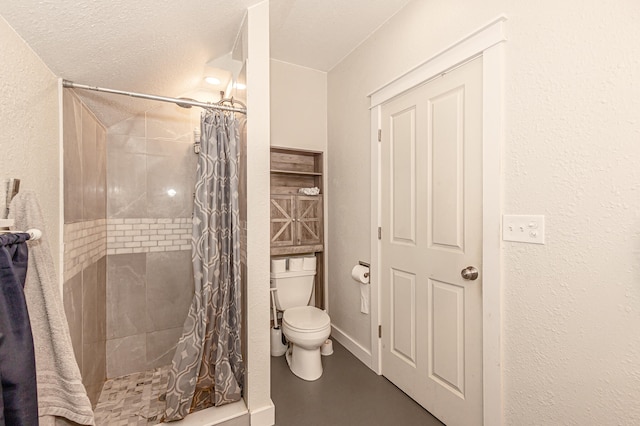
(297, 220)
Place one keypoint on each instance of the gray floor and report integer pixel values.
(348, 393)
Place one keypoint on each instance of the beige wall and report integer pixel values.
(571, 308)
(298, 107)
(299, 118)
(29, 119)
(255, 40)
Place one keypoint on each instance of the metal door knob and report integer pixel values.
(469, 273)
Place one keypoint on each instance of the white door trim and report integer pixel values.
(487, 41)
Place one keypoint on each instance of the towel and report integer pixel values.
(18, 399)
(60, 389)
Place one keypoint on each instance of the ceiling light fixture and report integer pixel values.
(212, 80)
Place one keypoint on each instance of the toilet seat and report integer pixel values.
(305, 319)
(306, 328)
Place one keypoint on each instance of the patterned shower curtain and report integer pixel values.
(207, 368)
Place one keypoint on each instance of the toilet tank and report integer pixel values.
(294, 288)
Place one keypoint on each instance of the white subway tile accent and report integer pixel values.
(84, 244)
(145, 235)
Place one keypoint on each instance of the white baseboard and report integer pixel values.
(214, 415)
(263, 416)
(359, 351)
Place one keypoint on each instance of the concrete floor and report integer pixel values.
(348, 393)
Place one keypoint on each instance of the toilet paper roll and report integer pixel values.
(309, 263)
(364, 298)
(295, 263)
(278, 265)
(360, 274)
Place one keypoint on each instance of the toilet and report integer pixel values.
(305, 327)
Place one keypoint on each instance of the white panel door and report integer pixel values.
(431, 203)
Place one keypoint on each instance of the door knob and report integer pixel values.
(469, 273)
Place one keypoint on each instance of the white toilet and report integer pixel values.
(305, 327)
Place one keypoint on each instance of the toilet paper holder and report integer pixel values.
(360, 262)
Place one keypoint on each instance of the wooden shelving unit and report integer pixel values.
(297, 220)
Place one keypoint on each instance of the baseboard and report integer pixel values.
(263, 416)
(225, 414)
(359, 351)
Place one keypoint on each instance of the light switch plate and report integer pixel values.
(523, 228)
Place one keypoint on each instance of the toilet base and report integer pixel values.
(304, 363)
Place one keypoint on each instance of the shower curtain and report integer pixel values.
(207, 368)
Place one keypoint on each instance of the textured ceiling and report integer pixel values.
(162, 46)
(320, 33)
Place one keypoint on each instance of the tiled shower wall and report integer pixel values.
(150, 181)
(85, 239)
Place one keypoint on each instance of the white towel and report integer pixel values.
(309, 191)
(60, 389)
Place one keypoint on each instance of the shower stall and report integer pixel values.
(128, 274)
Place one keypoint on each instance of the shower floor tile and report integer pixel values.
(133, 399)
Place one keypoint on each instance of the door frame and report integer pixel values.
(488, 41)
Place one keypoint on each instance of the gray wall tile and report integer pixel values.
(94, 301)
(169, 289)
(89, 166)
(126, 303)
(93, 392)
(161, 345)
(126, 355)
(169, 121)
(171, 165)
(85, 199)
(101, 166)
(148, 293)
(90, 321)
(72, 133)
(126, 177)
(94, 372)
(101, 297)
(134, 126)
(72, 296)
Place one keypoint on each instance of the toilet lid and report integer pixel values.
(306, 318)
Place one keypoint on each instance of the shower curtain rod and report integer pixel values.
(182, 102)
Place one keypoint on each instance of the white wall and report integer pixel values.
(298, 107)
(29, 123)
(571, 308)
(258, 377)
(299, 118)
